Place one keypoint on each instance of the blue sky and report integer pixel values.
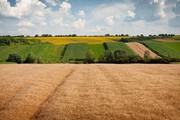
(89, 17)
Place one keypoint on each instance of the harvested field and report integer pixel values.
(167, 40)
(96, 91)
(140, 49)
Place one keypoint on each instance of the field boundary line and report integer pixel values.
(59, 85)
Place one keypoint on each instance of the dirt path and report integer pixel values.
(140, 49)
(70, 92)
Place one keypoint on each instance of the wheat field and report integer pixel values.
(90, 92)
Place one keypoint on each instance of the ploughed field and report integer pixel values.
(97, 91)
(140, 49)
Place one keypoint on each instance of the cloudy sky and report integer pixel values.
(30, 17)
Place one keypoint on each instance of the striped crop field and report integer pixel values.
(163, 49)
(98, 49)
(112, 46)
(75, 52)
(67, 40)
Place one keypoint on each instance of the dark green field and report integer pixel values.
(98, 49)
(112, 46)
(164, 49)
(75, 52)
(50, 53)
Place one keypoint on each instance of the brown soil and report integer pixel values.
(70, 92)
(167, 40)
(140, 49)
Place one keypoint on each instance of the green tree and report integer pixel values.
(40, 60)
(120, 56)
(90, 57)
(31, 58)
(147, 56)
(14, 58)
(107, 57)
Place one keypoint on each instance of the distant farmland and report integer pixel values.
(67, 40)
(66, 49)
(75, 52)
(98, 50)
(162, 49)
(50, 53)
(112, 46)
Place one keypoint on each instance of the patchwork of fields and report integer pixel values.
(106, 92)
(89, 91)
(75, 48)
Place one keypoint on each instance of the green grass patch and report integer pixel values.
(112, 46)
(98, 50)
(162, 49)
(50, 53)
(75, 52)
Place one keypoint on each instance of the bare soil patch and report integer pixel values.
(140, 49)
(96, 91)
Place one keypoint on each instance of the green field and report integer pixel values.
(75, 52)
(112, 46)
(98, 50)
(163, 49)
(173, 45)
(50, 53)
(176, 37)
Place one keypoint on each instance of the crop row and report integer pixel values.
(162, 49)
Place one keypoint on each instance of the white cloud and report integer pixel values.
(109, 20)
(161, 4)
(22, 8)
(161, 8)
(24, 31)
(25, 24)
(58, 21)
(65, 6)
(80, 23)
(52, 2)
(131, 14)
(156, 1)
(81, 13)
(1, 22)
(110, 14)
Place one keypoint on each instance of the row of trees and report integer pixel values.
(74, 35)
(120, 56)
(31, 58)
(8, 41)
(143, 38)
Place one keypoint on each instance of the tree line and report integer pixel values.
(120, 56)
